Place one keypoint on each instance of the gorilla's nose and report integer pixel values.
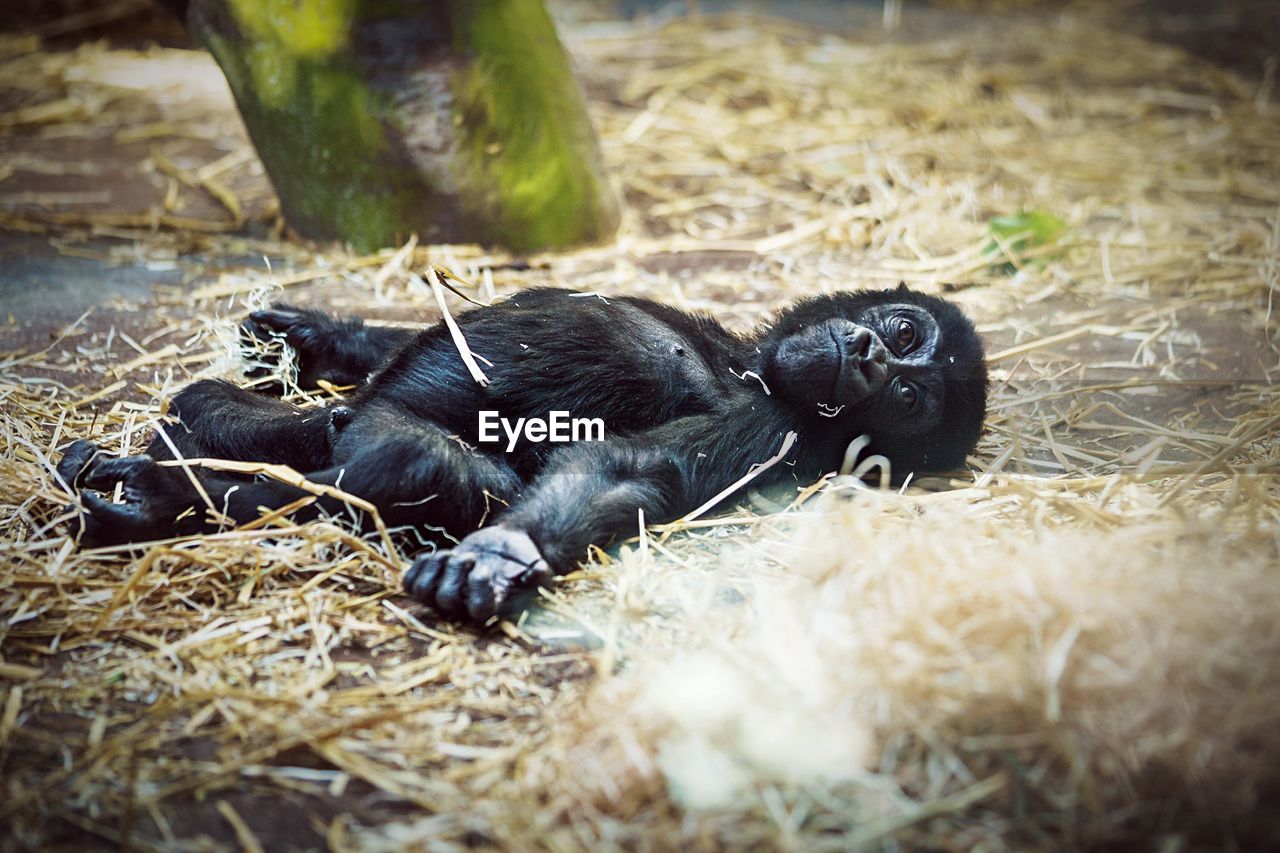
(869, 357)
(858, 342)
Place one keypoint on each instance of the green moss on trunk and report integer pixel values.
(528, 156)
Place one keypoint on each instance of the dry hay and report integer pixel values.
(940, 676)
(1074, 646)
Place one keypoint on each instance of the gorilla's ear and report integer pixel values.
(902, 285)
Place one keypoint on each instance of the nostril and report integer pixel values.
(875, 350)
(860, 342)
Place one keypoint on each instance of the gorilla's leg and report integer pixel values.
(343, 352)
(217, 419)
(415, 476)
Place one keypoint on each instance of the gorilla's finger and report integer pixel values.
(486, 591)
(278, 318)
(105, 472)
(105, 523)
(424, 575)
(449, 593)
(74, 460)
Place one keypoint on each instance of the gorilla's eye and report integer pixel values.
(906, 395)
(904, 334)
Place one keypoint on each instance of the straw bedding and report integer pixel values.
(1073, 645)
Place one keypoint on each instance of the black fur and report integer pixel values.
(688, 408)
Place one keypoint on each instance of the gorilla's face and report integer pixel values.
(903, 367)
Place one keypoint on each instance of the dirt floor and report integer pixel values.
(273, 690)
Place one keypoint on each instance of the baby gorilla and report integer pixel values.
(687, 407)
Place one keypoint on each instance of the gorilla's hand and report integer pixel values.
(157, 501)
(495, 570)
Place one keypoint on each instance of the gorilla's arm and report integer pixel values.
(343, 351)
(589, 493)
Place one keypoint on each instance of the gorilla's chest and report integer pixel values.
(618, 364)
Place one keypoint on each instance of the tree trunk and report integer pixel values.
(459, 120)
